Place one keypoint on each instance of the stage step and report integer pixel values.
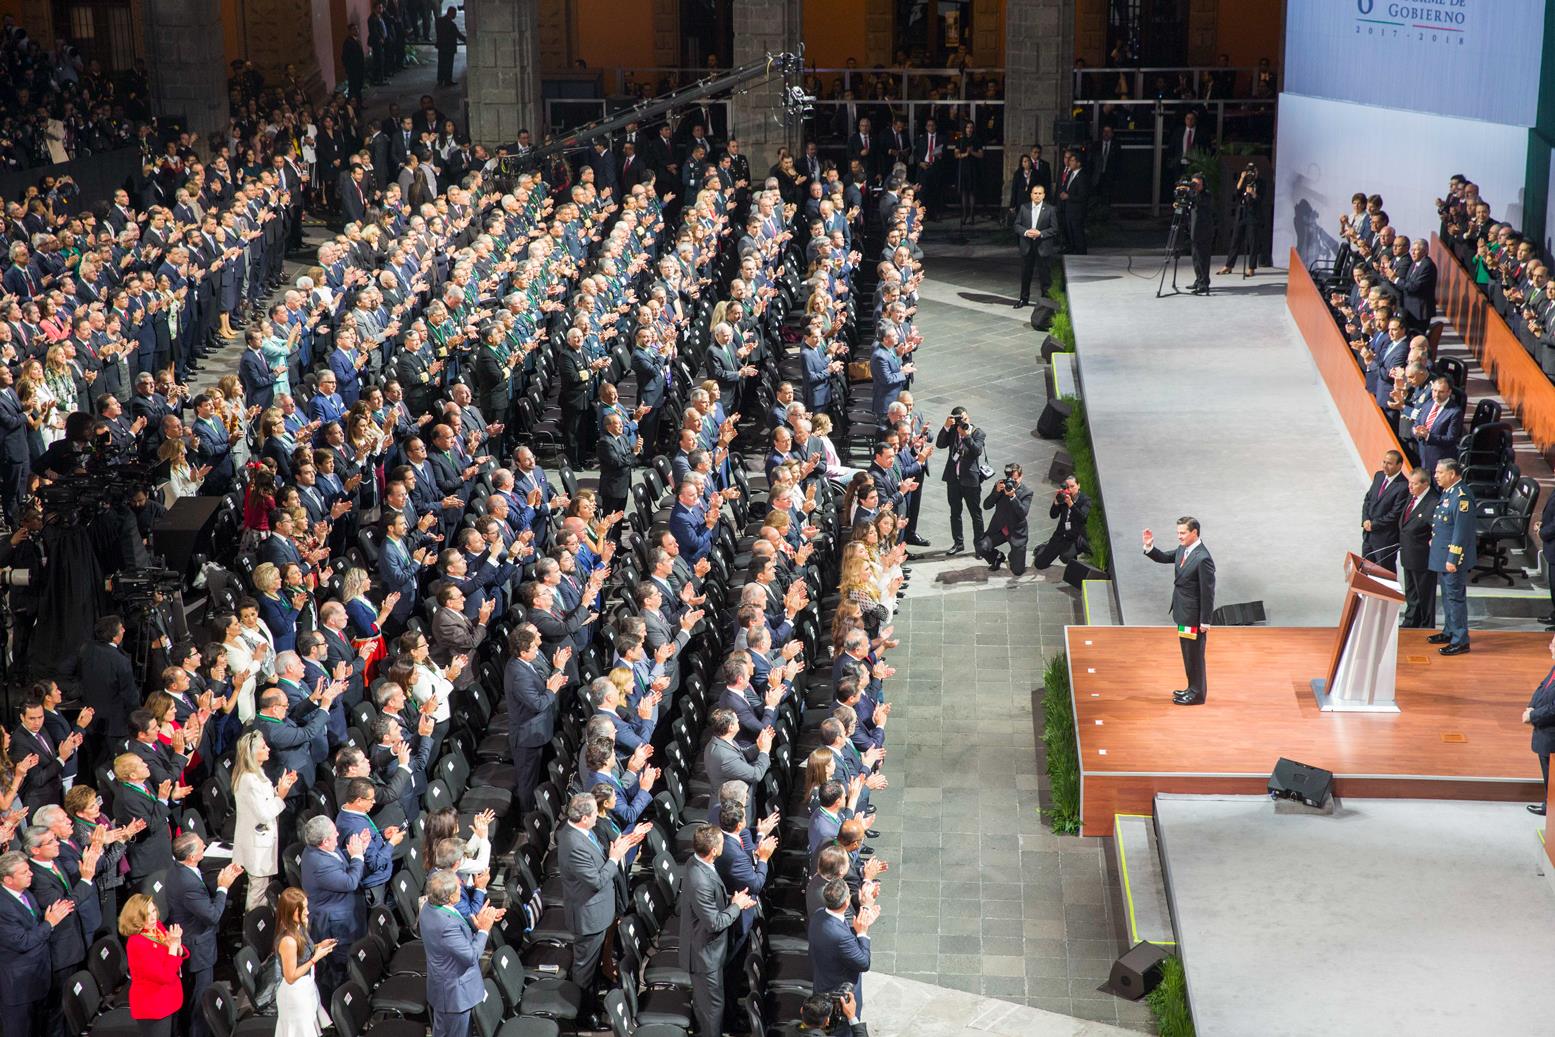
(1066, 379)
(1148, 916)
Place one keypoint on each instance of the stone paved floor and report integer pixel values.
(981, 896)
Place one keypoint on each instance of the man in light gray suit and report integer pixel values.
(726, 761)
(593, 883)
(453, 946)
(660, 629)
(706, 913)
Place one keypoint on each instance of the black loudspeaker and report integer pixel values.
(1061, 468)
(1042, 313)
(1055, 416)
(184, 530)
(1136, 973)
(1077, 572)
(1300, 782)
(1050, 345)
(1242, 614)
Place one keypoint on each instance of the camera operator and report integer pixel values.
(21, 570)
(69, 454)
(1010, 500)
(1201, 233)
(1071, 507)
(1244, 228)
(962, 475)
(834, 1014)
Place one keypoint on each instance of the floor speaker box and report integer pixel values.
(1054, 417)
(1076, 573)
(1061, 468)
(1301, 782)
(184, 530)
(1136, 973)
(1042, 312)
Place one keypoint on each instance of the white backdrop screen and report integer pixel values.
(1328, 150)
(1478, 59)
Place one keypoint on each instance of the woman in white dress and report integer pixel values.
(241, 661)
(298, 1010)
(259, 805)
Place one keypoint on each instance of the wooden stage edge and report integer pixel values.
(1458, 734)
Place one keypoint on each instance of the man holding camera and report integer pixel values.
(1010, 500)
(833, 1014)
(964, 442)
(1071, 507)
(1201, 233)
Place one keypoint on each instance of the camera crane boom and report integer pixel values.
(796, 103)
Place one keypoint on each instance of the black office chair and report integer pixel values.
(1502, 526)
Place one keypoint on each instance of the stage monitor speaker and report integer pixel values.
(1242, 614)
(1050, 345)
(1055, 417)
(1077, 572)
(1300, 782)
(1136, 973)
(184, 530)
(1042, 312)
(1061, 468)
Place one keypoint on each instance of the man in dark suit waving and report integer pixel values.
(1036, 223)
(1380, 510)
(707, 912)
(1193, 601)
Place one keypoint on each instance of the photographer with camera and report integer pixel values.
(1071, 507)
(834, 1014)
(1010, 500)
(963, 473)
(1201, 232)
(1244, 228)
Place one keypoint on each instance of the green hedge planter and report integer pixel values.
(1063, 755)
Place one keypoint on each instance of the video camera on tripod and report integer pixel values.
(1183, 197)
(143, 585)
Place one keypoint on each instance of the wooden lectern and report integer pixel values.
(1364, 663)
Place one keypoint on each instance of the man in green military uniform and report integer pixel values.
(1452, 555)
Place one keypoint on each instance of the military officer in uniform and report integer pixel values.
(1193, 602)
(1452, 555)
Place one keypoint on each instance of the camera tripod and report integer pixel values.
(1173, 257)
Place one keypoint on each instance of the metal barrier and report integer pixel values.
(1103, 83)
(907, 83)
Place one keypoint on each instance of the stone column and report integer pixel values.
(763, 27)
(1038, 50)
(503, 77)
(1202, 31)
(186, 53)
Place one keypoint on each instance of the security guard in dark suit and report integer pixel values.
(1453, 534)
(1010, 500)
(1414, 551)
(1193, 602)
(1540, 715)
(576, 375)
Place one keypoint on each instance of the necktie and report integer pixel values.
(1430, 419)
(43, 740)
(1409, 508)
(1187, 141)
(28, 903)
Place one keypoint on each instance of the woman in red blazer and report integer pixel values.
(156, 955)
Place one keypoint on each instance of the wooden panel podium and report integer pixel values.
(1364, 663)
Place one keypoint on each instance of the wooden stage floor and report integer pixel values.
(1459, 734)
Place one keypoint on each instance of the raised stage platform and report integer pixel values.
(1458, 734)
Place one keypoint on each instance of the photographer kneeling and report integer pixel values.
(835, 1014)
(1071, 507)
(1010, 500)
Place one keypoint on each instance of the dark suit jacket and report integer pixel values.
(616, 461)
(1047, 223)
(964, 469)
(337, 908)
(1543, 718)
(1193, 584)
(1419, 290)
(589, 880)
(1009, 515)
(838, 955)
(191, 904)
(1414, 532)
(151, 850)
(24, 954)
(1383, 510)
(106, 679)
(705, 917)
(70, 939)
(44, 783)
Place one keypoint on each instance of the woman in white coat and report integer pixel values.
(259, 804)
